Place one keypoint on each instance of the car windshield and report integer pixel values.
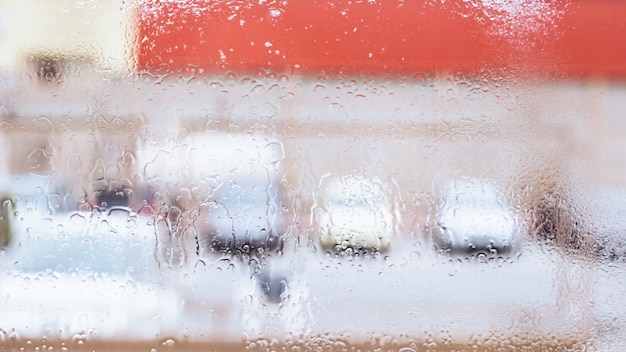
(474, 195)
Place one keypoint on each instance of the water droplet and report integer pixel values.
(275, 12)
(80, 338)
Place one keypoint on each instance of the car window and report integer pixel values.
(477, 193)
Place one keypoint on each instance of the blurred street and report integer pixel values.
(410, 298)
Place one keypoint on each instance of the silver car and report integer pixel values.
(473, 216)
(241, 216)
(355, 213)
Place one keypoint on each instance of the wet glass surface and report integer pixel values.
(193, 175)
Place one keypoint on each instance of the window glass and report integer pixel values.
(339, 175)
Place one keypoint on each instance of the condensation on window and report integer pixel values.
(269, 196)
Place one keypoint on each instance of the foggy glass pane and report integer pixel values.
(279, 175)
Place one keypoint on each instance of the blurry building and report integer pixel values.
(62, 101)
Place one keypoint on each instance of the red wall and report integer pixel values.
(575, 38)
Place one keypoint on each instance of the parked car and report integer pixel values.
(85, 276)
(217, 196)
(45, 194)
(241, 216)
(108, 197)
(473, 216)
(355, 213)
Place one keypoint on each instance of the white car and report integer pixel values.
(474, 216)
(234, 183)
(355, 213)
(242, 216)
(85, 276)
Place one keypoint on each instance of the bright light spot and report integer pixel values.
(275, 13)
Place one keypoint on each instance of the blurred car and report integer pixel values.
(115, 196)
(46, 194)
(221, 195)
(473, 216)
(85, 276)
(230, 183)
(355, 213)
(31, 195)
(241, 216)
